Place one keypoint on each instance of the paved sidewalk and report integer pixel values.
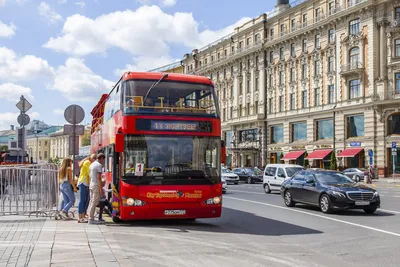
(42, 242)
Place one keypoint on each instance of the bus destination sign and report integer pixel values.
(174, 126)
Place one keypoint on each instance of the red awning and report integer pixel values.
(293, 155)
(350, 152)
(319, 154)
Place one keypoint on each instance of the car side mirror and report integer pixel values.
(311, 182)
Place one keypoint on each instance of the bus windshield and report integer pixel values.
(169, 97)
(164, 160)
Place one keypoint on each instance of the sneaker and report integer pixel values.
(101, 221)
(92, 222)
(64, 215)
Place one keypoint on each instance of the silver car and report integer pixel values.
(224, 185)
(357, 174)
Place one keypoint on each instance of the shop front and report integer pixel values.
(275, 155)
(353, 157)
(393, 158)
(295, 157)
(320, 158)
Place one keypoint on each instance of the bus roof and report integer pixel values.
(171, 77)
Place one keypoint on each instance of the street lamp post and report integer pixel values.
(334, 130)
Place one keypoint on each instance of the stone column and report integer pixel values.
(261, 86)
(382, 50)
(378, 44)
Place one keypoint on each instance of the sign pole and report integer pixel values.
(73, 148)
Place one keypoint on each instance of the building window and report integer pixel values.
(324, 129)
(205, 61)
(331, 92)
(305, 20)
(317, 96)
(281, 78)
(231, 112)
(240, 110)
(397, 83)
(292, 75)
(397, 14)
(317, 14)
(248, 63)
(217, 75)
(397, 47)
(224, 93)
(304, 99)
(394, 124)
(354, 89)
(292, 101)
(248, 41)
(225, 52)
(232, 72)
(233, 50)
(282, 29)
(257, 84)
(303, 71)
(317, 41)
(293, 24)
(45, 143)
(281, 53)
(257, 37)
(270, 106)
(224, 114)
(212, 58)
(271, 57)
(240, 88)
(331, 7)
(292, 50)
(354, 56)
(241, 67)
(281, 103)
(248, 89)
(271, 33)
(304, 46)
(355, 126)
(354, 27)
(331, 64)
(255, 111)
(211, 76)
(248, 136)
(232, 92)
(218, 55)
(331, 35)
(240, 44)
(271, 80)
(277, 134)
(248, 109)
(317, 69)
(257, 62)
(299, 131)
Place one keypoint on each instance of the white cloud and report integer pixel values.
(58, 111)
(61, 2)
(15, 68)
(81, 4)
(168, 3)
(47, 13)
(2, 2)
(145, 63)
(12, 92)
(10, 118)
(147, 31)
(77, 82)
(7, 30)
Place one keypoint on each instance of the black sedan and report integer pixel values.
(330, 190)
(249, 175)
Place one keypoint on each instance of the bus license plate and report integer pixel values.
(362, 203)
(174, 212)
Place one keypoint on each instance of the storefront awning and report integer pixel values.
(319, 154)
(350, 152)
(293, 155)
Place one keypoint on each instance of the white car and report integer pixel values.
(229, 176)
(276, 174)
(224, 185)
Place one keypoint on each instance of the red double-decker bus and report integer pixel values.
(161, 134)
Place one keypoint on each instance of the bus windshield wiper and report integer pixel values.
(154, 85)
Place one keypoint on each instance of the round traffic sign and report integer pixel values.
(74, 114)
(23, 119)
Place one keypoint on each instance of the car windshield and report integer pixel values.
(165, 160)
(329, 178)
(254, 171)
(226, 171)
(169, 97)
(293, 170)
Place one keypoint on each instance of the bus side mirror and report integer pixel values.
(119, 143)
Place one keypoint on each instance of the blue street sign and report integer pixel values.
(370, 161)
(355, 144)
(370, 153)
(394, 144)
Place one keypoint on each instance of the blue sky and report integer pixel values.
(64, 52)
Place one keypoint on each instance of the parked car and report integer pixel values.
(224, 185)
(229, 176)
(276, 174)
(357, 174)
(330, 190)
(249, 175)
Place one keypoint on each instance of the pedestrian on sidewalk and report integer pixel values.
(67, 187)
(104, 203)
(96, 169)
(83, 185)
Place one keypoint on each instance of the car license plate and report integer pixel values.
(362, 203)
(174, 212)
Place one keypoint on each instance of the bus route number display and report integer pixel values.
(174, 126)
(139, 169)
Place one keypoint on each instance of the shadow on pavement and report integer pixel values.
(232, 221)
(356, 212)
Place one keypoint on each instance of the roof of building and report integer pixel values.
(167, 67)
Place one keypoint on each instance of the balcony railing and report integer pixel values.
(381, 96)
(351, 67)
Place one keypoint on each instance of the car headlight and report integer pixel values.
(128, 201)
(213, 201)
(337, 194)
(376, 194)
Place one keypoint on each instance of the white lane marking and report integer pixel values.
(390, 211)
(319, 216)
(247, 192)
(396, 196)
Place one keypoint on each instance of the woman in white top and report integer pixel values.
(67, 186)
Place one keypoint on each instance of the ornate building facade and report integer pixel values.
(309, 80)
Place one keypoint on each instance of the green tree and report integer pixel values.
(4, 148)
(86, 139)
(305, 162)
(55, 160)
(333, 165)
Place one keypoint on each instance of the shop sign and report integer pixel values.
(323, 146)
(297, 147)
(355, 144)
(275, 149)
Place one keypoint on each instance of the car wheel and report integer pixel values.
(116, 219)
(357, 178)
(370, 210)
(249, 181)
(267, 189)
(325, 204)
(288, 199)
(237, 183)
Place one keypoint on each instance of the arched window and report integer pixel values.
(354, 55)
(393, 123)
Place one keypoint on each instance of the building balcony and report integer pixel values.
(352, 68)
(384, 96)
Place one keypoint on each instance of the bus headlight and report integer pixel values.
(213, 201)
(132, 202)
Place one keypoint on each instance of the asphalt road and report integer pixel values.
(257, 229)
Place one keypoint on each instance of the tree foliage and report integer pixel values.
(3, 148)
(55, 160)
(86, 139)
(333, 165)
(306, 163)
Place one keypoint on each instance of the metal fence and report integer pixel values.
(29, 189)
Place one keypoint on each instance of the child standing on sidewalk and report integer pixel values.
(104, 203)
